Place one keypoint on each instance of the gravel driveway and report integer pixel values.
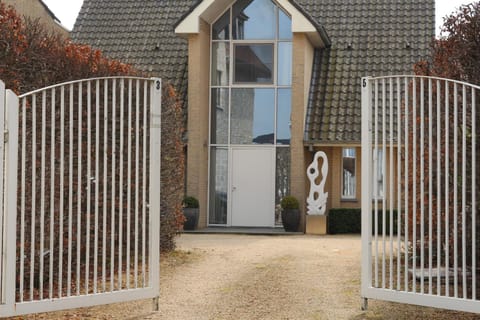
(276, 277)
(260, 277)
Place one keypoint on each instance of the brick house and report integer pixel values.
(37, 9)
(266, 84)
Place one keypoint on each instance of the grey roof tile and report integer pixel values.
(142, 33)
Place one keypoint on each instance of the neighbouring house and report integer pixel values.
(37, 9)
(266, 84)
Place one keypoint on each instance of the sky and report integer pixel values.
(67, 11)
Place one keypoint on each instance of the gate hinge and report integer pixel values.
(5, 136)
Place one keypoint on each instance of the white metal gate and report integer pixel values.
(82, 225)
(420, 191)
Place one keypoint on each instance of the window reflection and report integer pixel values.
(252, 116)
(253, 19)
(283, 116)
(220, 29)
(282, 180)
(218, 186)
(284, 63)
(254, 63)
(284, 26)
(220, 63)
(219, 120)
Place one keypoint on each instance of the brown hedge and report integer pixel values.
(32, 57)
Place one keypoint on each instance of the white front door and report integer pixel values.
(253, 187)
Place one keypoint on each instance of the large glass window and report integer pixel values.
(251, 99)
(349, 177)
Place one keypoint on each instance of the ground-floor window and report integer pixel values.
(349, 175)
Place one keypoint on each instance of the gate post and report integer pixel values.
(2, 213)
(155, 183)
(366, 185)
(10, 139)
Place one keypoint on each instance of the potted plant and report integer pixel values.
(190, 211)
(290, 213)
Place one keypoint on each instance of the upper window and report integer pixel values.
(254, 20)
(251, 75)
(253, 63)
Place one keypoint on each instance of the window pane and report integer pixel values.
(254, 63)
(220, 65)
(283, 116)
(218, 186)
(252, 116)
(284, 26)
(284, 63)
(254, 19)
(349, 173)
(220, 29)
(219, 121)
(282, 180)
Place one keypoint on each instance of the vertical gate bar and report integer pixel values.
(114, 201)
(89, 185)
(439, 186)
(137, 136)
(422, 184)
(70, 192)
(391, 181)
(121, 187)
(79, 185)
(155, 183)
(384, 194)
(430, 188)
(406, 203)
(366, 185)
(62, 188)
(22, 199)
(399, 183)
(105, 183)
(42, 192)
(52, 193)
(97, 183)
(375, 178)
(447, 192)
(474, 200)
(464, 191)
(414, 189)
(2, 213)
(144, 181)
(129, 181)
(34, 193)
(455, 188)
(10, 195)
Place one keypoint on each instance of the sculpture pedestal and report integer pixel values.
(316, 225)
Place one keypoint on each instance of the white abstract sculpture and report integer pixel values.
(317, 199)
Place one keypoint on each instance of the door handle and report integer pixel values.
(234, 188)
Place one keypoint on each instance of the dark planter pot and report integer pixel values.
(191, 218)
(290, 219)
